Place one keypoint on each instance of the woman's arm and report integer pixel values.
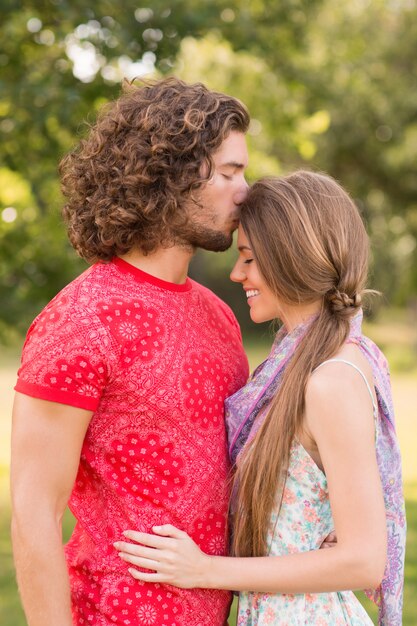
(340, 419)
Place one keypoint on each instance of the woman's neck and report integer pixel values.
(294, 315)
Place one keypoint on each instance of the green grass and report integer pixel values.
(395, 334)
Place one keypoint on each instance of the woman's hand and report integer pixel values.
(172, 555)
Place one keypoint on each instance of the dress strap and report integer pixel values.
(374, 406)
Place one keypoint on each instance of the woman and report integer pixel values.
(311, 435)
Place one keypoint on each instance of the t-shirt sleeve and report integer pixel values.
(66, 356)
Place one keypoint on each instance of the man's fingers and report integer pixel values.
(331, 538)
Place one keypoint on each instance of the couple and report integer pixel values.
(119, 409)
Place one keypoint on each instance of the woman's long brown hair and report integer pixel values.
(310, 245)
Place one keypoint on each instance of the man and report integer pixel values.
(119, 403)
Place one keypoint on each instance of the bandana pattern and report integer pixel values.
(246, 404)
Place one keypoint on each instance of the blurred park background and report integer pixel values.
(330, 86)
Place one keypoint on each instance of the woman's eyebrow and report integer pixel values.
(242, 248)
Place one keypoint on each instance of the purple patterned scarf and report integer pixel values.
(243, 407)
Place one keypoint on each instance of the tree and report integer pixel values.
(60, 61)
(328, 86)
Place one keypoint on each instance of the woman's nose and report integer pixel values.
(237, 275)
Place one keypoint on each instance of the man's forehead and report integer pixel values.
(233, 151)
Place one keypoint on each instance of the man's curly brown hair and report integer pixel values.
(127, 183)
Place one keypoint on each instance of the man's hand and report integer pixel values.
(330, 541)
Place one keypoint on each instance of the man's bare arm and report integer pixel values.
(46, 443)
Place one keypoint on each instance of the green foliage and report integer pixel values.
(329, 86)
(366, 87)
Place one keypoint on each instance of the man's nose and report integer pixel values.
(241, 193)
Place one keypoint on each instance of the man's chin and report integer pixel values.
(211, 240)
(217, 244)
(218, 248)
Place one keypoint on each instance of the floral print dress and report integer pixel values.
(304, 521)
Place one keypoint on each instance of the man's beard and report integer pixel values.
(199, 236)
(195, 234)
(202, 233)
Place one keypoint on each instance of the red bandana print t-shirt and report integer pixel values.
(154, 361)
